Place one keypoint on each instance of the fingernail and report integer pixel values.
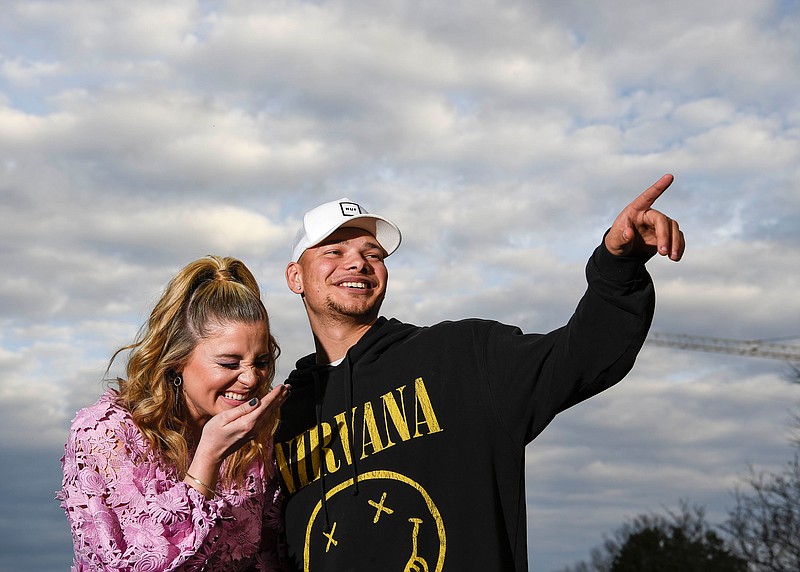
(253, 402)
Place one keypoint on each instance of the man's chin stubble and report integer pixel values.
(355, 311)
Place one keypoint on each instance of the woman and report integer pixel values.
(173, 470)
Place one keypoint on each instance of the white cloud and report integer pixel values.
(503, 137)
(81, 27)
(25, 72)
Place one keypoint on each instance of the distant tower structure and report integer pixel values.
(748, 348)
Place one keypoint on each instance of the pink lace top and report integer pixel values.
(130, 512)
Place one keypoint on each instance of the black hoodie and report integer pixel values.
(410, 453)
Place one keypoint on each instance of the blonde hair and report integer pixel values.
(201, 297)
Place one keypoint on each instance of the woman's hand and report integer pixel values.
(228, 431)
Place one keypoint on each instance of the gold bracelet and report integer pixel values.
(202, 484)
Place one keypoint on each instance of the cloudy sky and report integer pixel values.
(502, 136)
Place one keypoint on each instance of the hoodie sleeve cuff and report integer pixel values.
(619, 269)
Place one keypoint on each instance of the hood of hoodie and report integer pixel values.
(379, 338)
(308, 377)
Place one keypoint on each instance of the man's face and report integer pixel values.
(343, 277)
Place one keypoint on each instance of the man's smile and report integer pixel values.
(359, 285)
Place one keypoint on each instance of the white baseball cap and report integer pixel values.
(320, 222)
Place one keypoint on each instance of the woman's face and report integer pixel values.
(225, 369)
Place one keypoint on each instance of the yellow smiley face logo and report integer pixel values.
(392, 512)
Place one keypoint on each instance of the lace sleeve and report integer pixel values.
(273, 556)
(128, 514)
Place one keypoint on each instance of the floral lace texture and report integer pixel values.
(129, 511)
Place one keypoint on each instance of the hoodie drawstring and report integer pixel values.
(318, 411)
(349, 390)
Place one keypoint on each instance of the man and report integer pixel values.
(403, 447)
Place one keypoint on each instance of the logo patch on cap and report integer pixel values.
(350, 209)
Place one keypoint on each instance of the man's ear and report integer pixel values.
(294, 278)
